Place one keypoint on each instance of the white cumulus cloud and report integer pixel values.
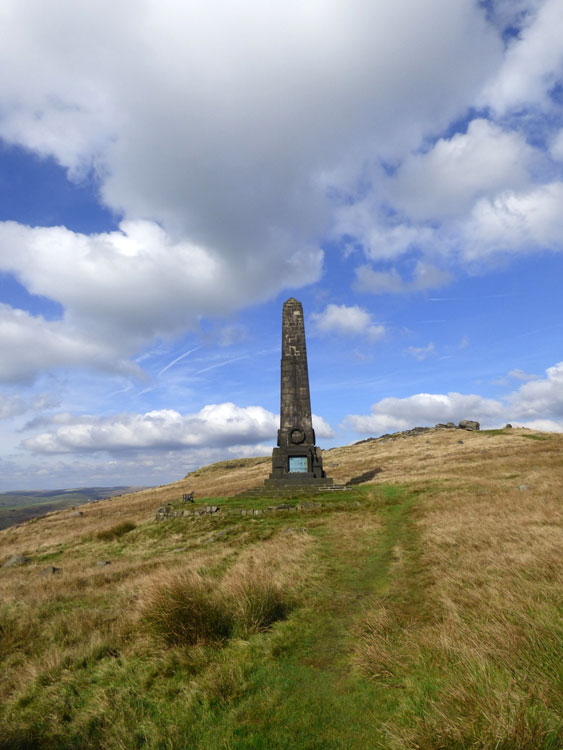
(214, 426)
(541, 398)
(515, 221)
(120, 290)
(221, 133)
(165, 429)
(533, 63)
(347, 320)
(392, 414)
(446, 180)
(137, 282)
(537, 404)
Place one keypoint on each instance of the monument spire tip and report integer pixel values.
(292, 303)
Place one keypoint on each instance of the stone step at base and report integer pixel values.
(292, 490)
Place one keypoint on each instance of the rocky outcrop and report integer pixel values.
(16, 560)
(469, 424)
(393, 435)
(465, 424)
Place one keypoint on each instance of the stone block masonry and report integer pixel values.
(296, 460)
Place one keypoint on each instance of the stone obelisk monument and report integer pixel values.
(296, 460)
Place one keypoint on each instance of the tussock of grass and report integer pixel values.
(258, 602)
(185, 609)
(265, 583)
(115, 532)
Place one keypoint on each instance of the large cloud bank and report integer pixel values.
(233, 138)
(225, 136)
(214, 426)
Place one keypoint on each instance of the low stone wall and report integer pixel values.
(168, 511)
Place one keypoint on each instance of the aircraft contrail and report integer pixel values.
(185, 354)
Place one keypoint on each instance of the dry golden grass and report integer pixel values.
(483, 580)
(184, 608)
(354, 527)
(265, 581)
(437, 455)
(475, 515)
(489, 560)
(475, 518)
(281, 558)
(184, 605)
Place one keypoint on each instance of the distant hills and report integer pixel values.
(19, 506)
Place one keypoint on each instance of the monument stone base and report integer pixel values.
(288, 491)
(297, 465)
(302, 481)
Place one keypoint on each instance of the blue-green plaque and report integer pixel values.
(298, 464)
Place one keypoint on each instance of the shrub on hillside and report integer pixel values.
(185, 609)
(114, 532)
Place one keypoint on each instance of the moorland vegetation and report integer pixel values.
(421, 610)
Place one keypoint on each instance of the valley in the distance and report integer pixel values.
(19, 506)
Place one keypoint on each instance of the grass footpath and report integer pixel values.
(309, 696)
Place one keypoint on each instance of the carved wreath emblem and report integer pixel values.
(297, 436)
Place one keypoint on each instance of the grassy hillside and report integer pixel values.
(16, 507)
(422, 610)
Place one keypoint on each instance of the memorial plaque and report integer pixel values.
(297, 464)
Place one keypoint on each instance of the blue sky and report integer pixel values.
(171, 172)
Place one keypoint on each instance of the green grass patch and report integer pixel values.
(115, 532)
